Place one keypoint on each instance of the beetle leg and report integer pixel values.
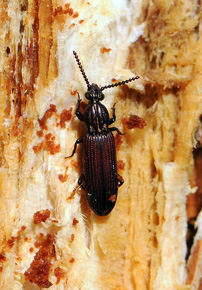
(78, 141)
(81, 180)
(117, 130)
(120, 180)
(113, 119)
(78, 113)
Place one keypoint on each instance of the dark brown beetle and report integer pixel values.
(99, 179)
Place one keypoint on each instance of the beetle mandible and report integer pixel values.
(99, 179)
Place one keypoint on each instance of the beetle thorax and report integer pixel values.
(96, 118)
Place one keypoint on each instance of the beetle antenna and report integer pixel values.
(81, 68)
(119, 83)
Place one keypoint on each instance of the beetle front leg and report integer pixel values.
(81, 180)
(78, 113)
(113, 119)
(117, 130)
(78, 141)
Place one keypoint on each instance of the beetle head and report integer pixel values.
(94, 93)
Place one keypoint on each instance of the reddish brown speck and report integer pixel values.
(62, 178)
(48, 136)
(52, 147)
(71, 260)
(26, 239)
(113, 80)
(11, 242)
(2, 258)
(57, 11)
(38, 272)
(72, 237)
(70, 11)
(59, 274)
(72, 194)
(37, 244)
(38, 147)
(75, 15)
(48, 114)
(41, 216)
(54, 221)
(118, 141)
(72, 25)
(73, 93)
(120, 164)
(41, 235)
(31, 250)
(134, 122)
(39, 133)
(60, 11)
(75, 222)
(1, 268)
(104, 49)
(16, 131)
(65, 116)
(74, 163)
(23, 228)
(81, 21)
(112, 198)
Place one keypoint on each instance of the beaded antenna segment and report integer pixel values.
(81, 68)
(119, 83)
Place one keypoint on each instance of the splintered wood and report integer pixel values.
(49, 237)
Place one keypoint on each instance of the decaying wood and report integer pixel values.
(48, 235)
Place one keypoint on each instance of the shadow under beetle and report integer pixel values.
(99, 179)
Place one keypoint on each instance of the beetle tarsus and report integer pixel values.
(78, 141)
(120, 180)
(117, 130)
(113, 119)
(81, 180)
(78, 113)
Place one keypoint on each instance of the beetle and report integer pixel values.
(99, 179)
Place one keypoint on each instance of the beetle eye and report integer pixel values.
(100, 96)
